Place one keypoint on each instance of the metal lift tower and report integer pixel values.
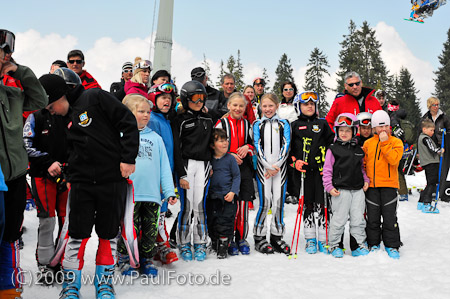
(163, 40)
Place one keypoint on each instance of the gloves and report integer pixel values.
(298, 164)
(398, 132)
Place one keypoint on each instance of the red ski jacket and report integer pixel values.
(88, 81)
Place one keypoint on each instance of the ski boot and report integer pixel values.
(71, 284)
(103, 282)
(244, 247)
(420, 206)
(123, 265)
(374, 248)
(222, 249)
(311, 246)
(186, 252)
(279, 245)
(403, 197)
(361, 250)
(336, 252)
(165, 254)
(322, 247)
(428, 208)
(233, 248)
(392, 252)
(147, 267)
(200, 252)
(263, 246)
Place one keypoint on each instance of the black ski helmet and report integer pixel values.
(71, 78)
(189, 89)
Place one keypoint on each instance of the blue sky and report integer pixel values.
(263, 30)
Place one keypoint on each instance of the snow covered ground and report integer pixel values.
(423, 270)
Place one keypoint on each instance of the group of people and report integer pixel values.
(96, 156)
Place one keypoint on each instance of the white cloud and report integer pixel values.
(396, 55)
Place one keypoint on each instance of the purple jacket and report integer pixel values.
(328, 172)
(132, 87)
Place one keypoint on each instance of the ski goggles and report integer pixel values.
(198, 75)
(365, 119)
(197, 98)
(166, 88)
(345, 120)
(7, 40)
(143, 64)
(307, 96)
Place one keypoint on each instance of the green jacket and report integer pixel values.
(13, 101)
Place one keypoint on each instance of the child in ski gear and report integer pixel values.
(310, 139)
(147, 184)
(14, 160)
(365, 127)
(382, 155)
(191, 133)
(272, 137)
(345, 179)
(45, 140)
(103, 145)
(429, 159)
(241, 148)
(163, 96)
(221, 205)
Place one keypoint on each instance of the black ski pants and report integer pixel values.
(220, 217)
(382, 203)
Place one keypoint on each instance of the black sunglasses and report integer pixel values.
(78, 61)
(356, 83)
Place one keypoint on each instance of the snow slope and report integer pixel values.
(423, 270)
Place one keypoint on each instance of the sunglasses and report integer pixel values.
(127, 71)
(307, 96)
(356, 83)
(198, 75)
(435, 105)
(73, 61)
(288, 89)
(345, 120)
(197, 98)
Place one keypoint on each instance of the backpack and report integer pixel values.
(410, 131)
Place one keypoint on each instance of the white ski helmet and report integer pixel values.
(380, 118)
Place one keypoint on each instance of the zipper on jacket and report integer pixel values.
(375, 161)
(389, 170)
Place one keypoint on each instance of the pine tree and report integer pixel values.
(348, 56)
(266, 80)
(221, 74)
(207, 68)
(231, 64)
(406, 95)
(284, 72)
(239, 73)
(442, 87)
(361, 53)
(314, 78)
(374, 70)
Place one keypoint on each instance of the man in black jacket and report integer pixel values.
(103, 144)
(117, 88)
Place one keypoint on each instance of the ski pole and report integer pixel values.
(295, 229)
(326, 217)
(300, 202)
(440, 168)
(412, 162)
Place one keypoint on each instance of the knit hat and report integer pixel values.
(140, 65)
(54, 85)
(380, 118)
(127, 65)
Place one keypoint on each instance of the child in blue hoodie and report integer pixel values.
(152, 175)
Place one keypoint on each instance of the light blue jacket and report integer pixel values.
(3, 186)
(152, 169)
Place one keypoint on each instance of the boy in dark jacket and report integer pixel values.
(311, 137)
(103, 145)
(191, 133)
(429, 159)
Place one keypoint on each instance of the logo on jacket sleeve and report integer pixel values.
(316, 128)
(84, 119)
